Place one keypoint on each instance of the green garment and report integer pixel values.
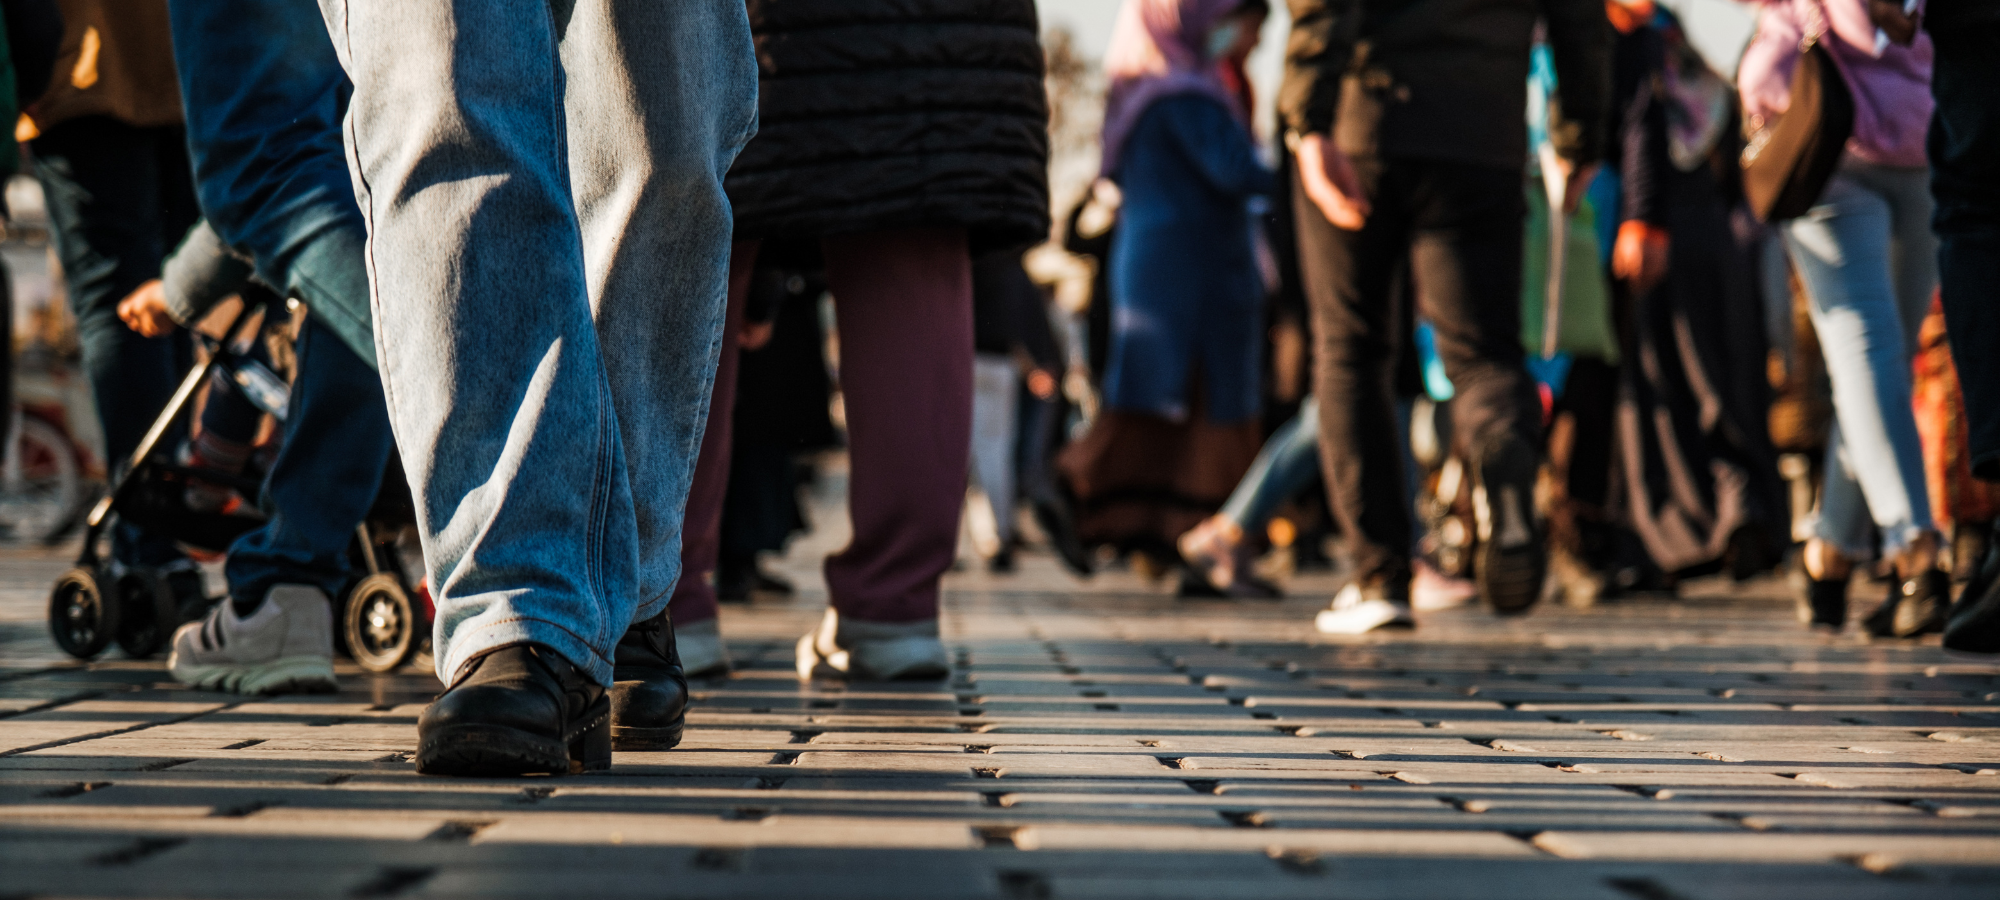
(1586, 306)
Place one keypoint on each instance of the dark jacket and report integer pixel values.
(888, 113)
(1443, 79)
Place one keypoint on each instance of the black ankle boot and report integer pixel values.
(1822, 602)
(649, 693)
(516, 710)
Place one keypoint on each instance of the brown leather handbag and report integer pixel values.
(1787, 164)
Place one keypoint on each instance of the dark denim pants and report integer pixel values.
(119, 198)
(337, 444)
(263, 91)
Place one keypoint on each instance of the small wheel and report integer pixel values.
(379, 623)
(147, 613)
(81, 617)
(41, 485)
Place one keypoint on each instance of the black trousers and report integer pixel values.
(1458, 228)
(1965, 178)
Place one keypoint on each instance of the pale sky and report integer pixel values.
(1719, 28)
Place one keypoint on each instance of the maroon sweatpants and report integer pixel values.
(903, 310)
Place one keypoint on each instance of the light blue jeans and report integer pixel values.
(548, 244)
(1869, 263)
(1289, 461)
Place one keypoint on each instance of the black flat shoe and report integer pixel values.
(1822, 602)
(1916, 606)
(649, 691)
(516, 710)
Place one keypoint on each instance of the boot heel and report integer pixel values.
(591, 750)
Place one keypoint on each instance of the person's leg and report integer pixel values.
(1965, 180)
(1841, 529)
(694, 599)
(1913, 246)
(995, 382)
(610, 127)
(1348, 278)
(337, 444)
(103, 185)
(1287, 463)
(1969, 258)
(903, 307)
(693, 605)
(1220, 550)
(673, 84)
(1466, 257)
(1841, 250)
(283, 576)
(1965, 159)
(484, 332)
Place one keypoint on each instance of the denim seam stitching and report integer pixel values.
(587, 645)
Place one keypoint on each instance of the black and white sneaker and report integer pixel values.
(1510, 563)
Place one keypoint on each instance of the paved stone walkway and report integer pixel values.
(1102, 740)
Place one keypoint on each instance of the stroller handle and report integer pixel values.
(254, 300)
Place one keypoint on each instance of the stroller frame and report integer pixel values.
(378, 622)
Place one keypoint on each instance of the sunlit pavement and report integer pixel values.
(1099, 739)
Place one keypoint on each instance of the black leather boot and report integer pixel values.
(649, 692)
(516, 710)
(1916, 606)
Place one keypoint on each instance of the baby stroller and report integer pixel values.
(380, 621)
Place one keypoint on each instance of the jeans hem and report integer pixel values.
(466, 645)
(1895, 539)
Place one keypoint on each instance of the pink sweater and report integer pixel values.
(1892, 94)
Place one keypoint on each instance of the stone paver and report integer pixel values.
(1097, 740)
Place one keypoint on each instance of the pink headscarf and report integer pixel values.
(1157, 50)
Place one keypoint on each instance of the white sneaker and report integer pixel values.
(873, 651)
(285, 646)
(1351, 613)
(702, 652)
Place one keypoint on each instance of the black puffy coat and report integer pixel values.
(890, 113)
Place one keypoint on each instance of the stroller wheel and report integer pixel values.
(81, 617)
(380, 624)
(147, 612)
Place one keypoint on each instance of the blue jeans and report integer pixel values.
(549, 247)
(1287, 463)
(263, 96)
(1869, 263)
(328, 472)
(118, 200)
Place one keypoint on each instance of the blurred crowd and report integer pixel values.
(559, 315)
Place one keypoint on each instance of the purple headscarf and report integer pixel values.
(1157, 50)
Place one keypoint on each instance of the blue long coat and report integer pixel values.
(1186, 297)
